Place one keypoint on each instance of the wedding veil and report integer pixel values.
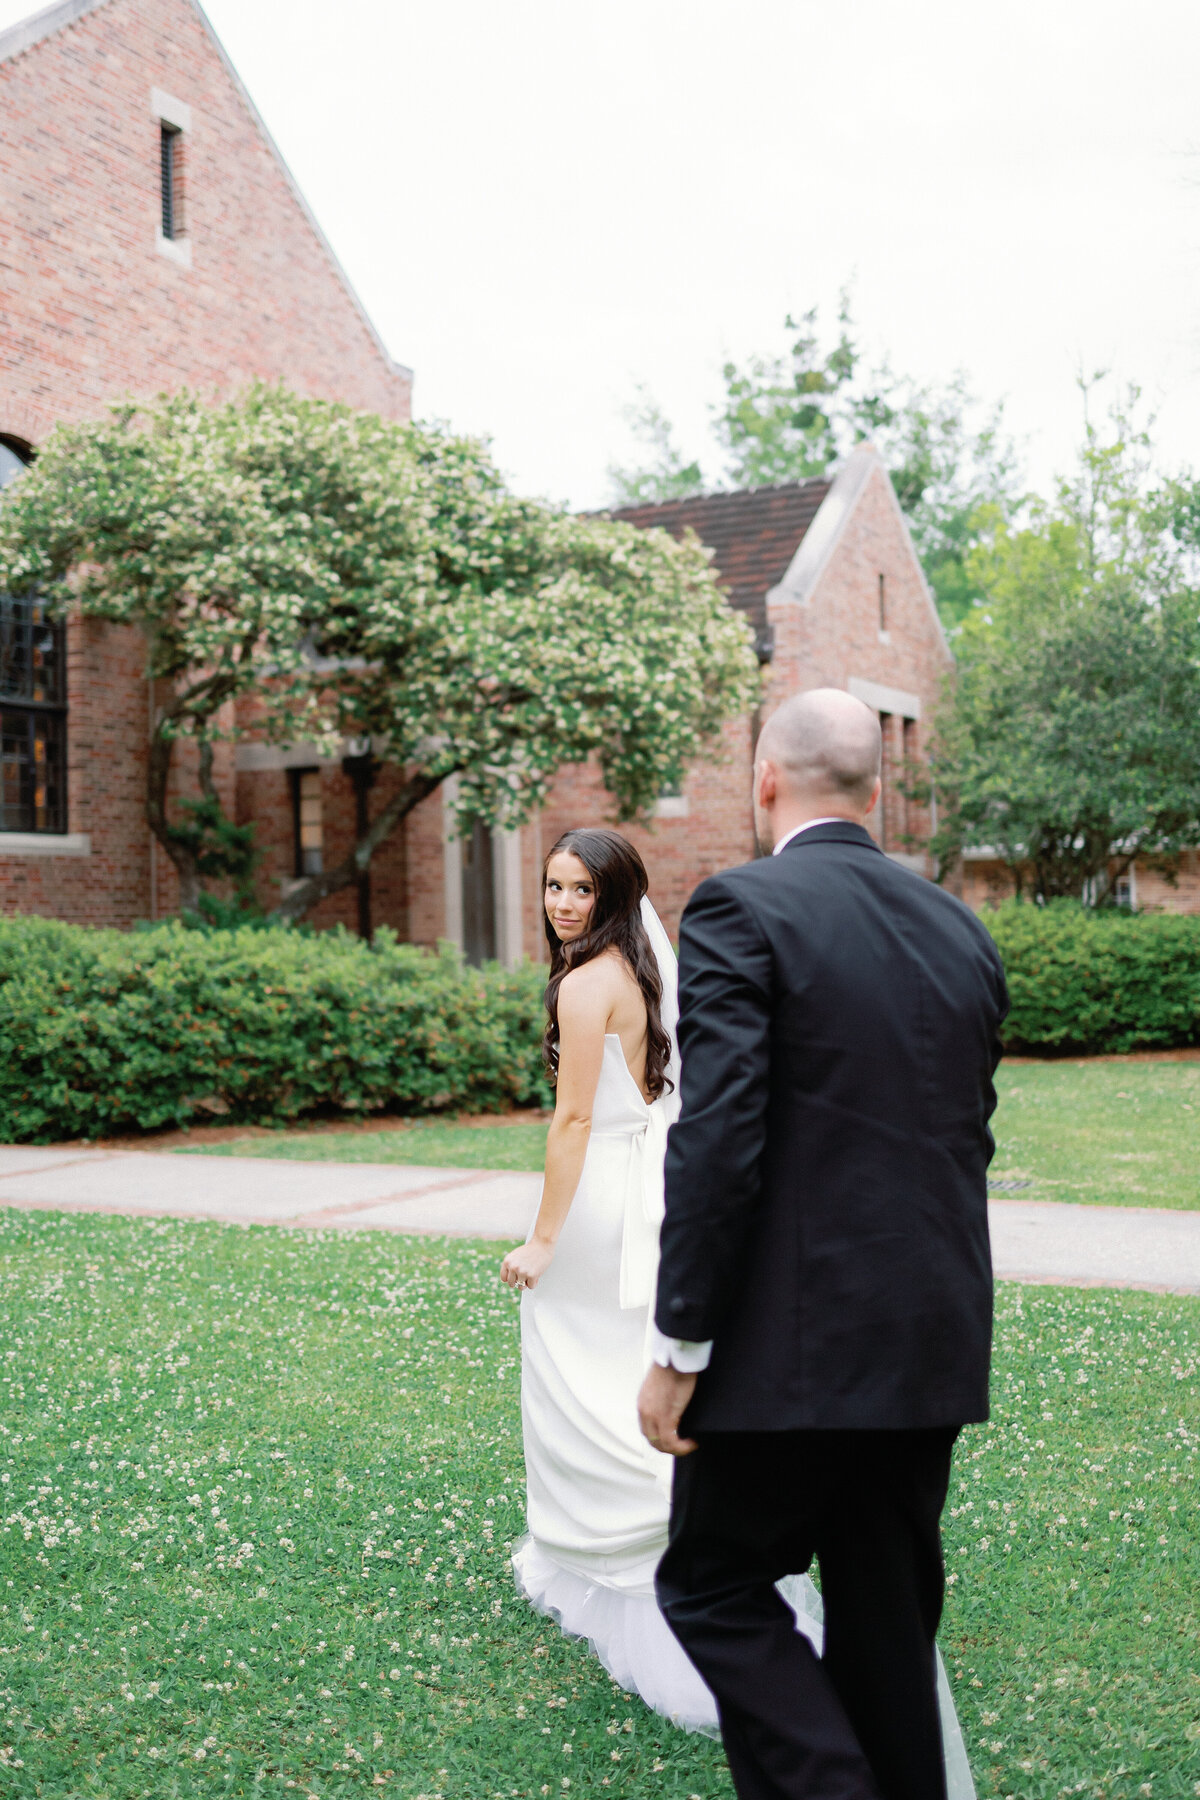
(668, 974)
(645, 1200)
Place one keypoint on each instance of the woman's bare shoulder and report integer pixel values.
(595, 982)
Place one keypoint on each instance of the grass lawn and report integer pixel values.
(259, 1488)
(1108, 1133)
(1111, 1134)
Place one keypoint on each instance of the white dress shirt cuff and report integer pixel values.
(678, 1353)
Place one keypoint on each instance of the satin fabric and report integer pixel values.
(598, 1494)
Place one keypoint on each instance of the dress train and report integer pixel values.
(598, 1494)
(635, 1644)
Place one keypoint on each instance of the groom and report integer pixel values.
(825, 1292)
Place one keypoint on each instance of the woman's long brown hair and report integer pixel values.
(620, 880)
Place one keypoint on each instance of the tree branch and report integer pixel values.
(313, 888)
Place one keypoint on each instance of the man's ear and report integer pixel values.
(873, 802)
(765, 784)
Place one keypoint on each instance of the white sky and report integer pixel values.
(543, 203)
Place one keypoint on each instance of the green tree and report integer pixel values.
(951, 477)
(664, 475)
(795, 415)
(1069, 742)
(789, 417)
(364, 579)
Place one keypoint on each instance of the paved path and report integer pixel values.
(1032, 1240)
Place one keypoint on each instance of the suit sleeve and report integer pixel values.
(714, 1153)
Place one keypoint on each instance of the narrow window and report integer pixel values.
(886, 797)
(910, 741)
(33, 717)
(883, 602)
(33, 701)
(479, 894)
(308, 826)
(911, 748)
(172, 212)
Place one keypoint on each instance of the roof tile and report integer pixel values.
(753, 534)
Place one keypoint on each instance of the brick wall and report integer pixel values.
(826, 640)
(835, 635)
(93, 310)
(985, 882)
(679, 853)
(264, 797)
(823, 641)
(106, 777)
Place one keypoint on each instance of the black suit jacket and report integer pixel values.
(826, 1213)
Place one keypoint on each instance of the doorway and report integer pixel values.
(478, 894)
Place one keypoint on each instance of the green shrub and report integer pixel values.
(1098, 981)
(105, 1031)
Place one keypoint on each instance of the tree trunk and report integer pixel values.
(158, 774)
(305, 894)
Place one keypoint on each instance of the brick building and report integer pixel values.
(985, 881)
(827, 574)
(150, 238)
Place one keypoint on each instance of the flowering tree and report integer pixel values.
(372, 580)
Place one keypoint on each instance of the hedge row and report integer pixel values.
(103, 1032)
(1098, 981)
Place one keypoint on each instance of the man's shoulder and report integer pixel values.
(949, 908)
(750, 883)
(734, 886)
(812, 874)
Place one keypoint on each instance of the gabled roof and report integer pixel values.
(28, 32)
(753, 533)
(818, 545)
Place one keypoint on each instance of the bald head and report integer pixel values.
(818, 753)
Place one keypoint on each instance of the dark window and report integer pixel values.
(12, 460)
(887, 824)
(172, 211)
(33, 700)
(911, 742)
(478, 895)
(308, 823)
(883, 603)
(33, 718)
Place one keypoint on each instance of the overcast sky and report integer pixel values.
(542, 203)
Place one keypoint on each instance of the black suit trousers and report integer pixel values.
(862, 1722)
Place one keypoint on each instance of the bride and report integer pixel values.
(598, 1494)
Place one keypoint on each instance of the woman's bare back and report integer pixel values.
(611, 982)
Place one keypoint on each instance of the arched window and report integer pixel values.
(13, 458)
(33, 699)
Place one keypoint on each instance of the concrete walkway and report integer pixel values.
(1032, 1240)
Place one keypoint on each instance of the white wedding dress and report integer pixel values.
(598, 1495)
